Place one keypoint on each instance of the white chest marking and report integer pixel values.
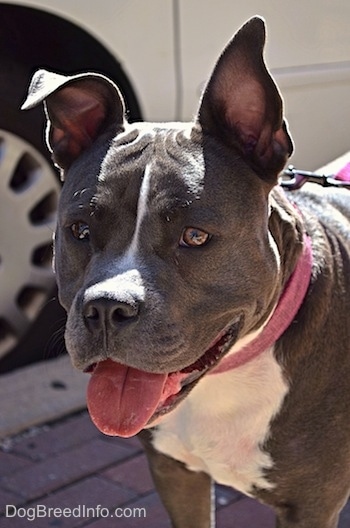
(220, 427)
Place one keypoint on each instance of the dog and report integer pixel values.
(210, 307)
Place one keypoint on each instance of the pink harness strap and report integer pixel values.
(344, 173)
(284, 314)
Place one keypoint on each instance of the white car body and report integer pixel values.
(308, 50)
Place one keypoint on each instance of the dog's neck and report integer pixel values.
(283, 315)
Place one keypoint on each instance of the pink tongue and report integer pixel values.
(121, 399)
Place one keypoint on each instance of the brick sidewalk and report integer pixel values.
(69, 464)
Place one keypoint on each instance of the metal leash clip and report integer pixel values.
(293, 179)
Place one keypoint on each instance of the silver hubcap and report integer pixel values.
(29, 192)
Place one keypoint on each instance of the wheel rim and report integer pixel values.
(29, 191)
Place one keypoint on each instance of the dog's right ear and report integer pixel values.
(79, 108)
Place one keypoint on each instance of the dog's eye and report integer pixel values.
(193, 237)
(80, 231)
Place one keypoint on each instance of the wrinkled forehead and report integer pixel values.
(165, 160)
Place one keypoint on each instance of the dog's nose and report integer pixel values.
(103, 313)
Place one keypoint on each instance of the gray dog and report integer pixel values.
(211, 309)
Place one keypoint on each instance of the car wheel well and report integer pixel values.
(31, 38)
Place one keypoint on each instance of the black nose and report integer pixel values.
(104, 313)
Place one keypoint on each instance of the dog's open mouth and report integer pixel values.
(123, 400)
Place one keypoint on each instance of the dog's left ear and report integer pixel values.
(242, 104)
(79, 108)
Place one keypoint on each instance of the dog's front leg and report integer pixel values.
(188, 496)
(320, 516)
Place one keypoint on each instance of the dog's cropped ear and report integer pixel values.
(79, 108)
(242, 104)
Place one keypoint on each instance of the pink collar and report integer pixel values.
(284, 314)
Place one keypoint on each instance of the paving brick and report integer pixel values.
(344, 521)
(56, 438)
(39, 443)
(71, 464)
(132, 443)
(134, 474)
(73, 506)
(64, 469)
(246, 513)
(7, 498)
(225, 495)
(147, 512)
(10, 463)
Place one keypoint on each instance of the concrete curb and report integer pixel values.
(40, 393)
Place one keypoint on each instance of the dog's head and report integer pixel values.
(163, 253)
